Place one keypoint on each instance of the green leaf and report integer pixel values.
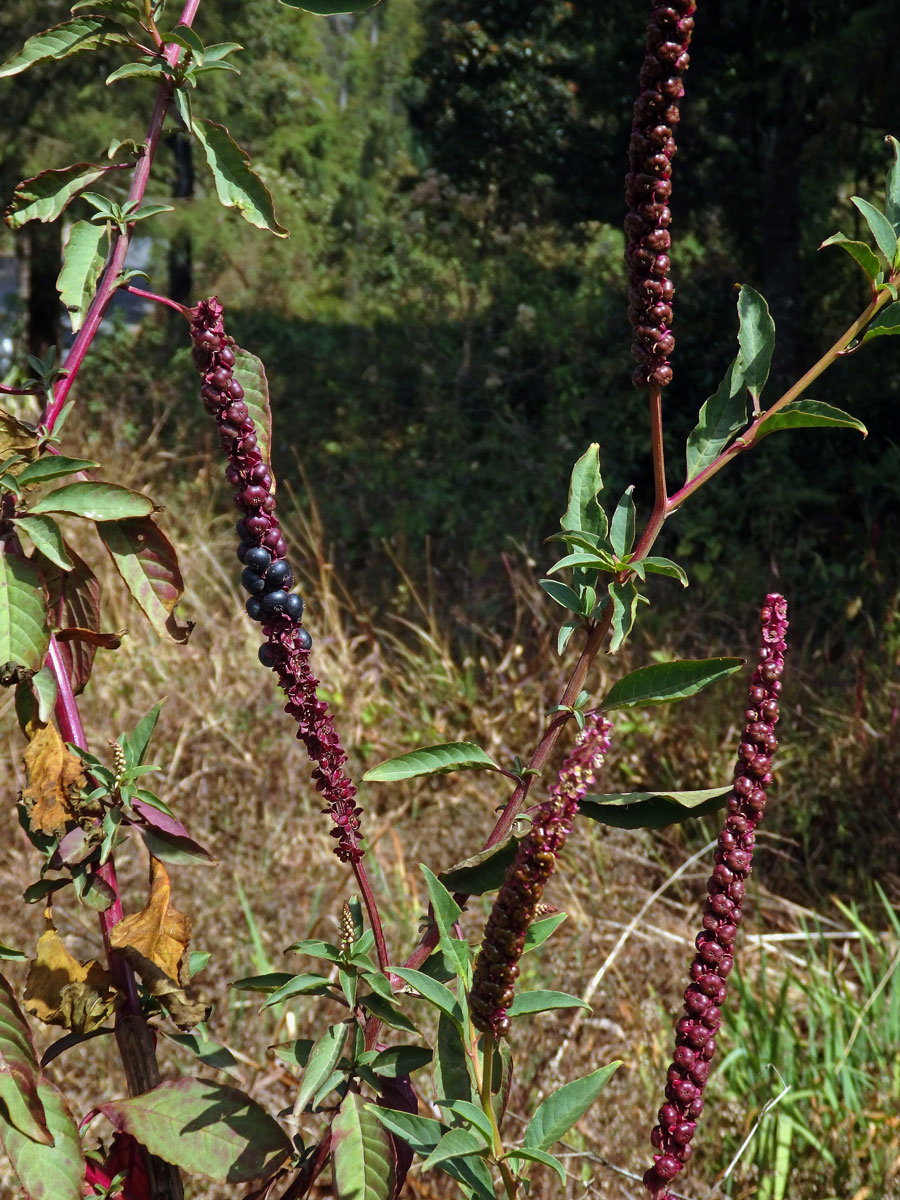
(331, 8)
(565, 632)
(236, 184)
(251, 374)
(482, 872)
(323, 1058)
(451, 1073)
(651, 810)
(72, 37)
(146, 68)
(316, 949)
(361, 1153)
(756, 338)
(446, 913)
(881, 227)
(48, 1172)
(665, 566)
(46, 196)
(538, 931)
(884, 323)
(621, 531)
(422, 1134)
(207, 1128)
(387, 1012)
(432, 760)
(19, 1072)
(861, 252)
(892, 187)
(624, 598)
(562, 594)
(186, 37)
(456, 1143)
(82, 264)
(295, 1053)
(556, 1115)
(584, 558)
(7, 952)
(138, 740)
(661, 683)
(210, 1053)
(300, 985)
(474, 1116)
(584, 513)
(722, 415)
(52, 466)
(539, 1156)
(541, 1001)
(269, 982)
(148, 564)
(24, 634)
(95, 502)
(809, 414)
(45, 688)
(435, 993)
(131, 9)
(400, 1060)
(46, 536)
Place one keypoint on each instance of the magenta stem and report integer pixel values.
(179, 308)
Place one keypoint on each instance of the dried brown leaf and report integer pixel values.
(60, 990)
(53, 773)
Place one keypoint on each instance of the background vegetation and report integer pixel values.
(444, 334)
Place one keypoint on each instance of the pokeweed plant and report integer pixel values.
(356, 1102)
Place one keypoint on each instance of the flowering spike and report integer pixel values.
(695, 1032)
(648, 188)
(267, 575)
(518, 901)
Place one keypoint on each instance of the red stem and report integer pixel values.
(179, 308)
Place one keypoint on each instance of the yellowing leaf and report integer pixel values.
(60, 990)
(16, 438)
(53, 773)
(154, 942)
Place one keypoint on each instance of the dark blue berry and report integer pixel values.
(279, 576)
(258, 558)
(252, 582)
(274, 602)
(268, 655)
(242, 551)
(254, 608)
(241, 530)
(294, 607)
(304, 641)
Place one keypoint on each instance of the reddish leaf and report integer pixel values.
(19, 1071)
(48, 1172)
(74, 603)
(147, 562)
(107, 641)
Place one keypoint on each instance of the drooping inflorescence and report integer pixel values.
(268, 577)
(695, 1032)
(497, 965)
(648, 188)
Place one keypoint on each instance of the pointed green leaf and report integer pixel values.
(139, 739)
(210, 1053)
(46, 196)
(542, 1001)
(539, 931)
(446, 913)
(756, 338)
(72, 37)
(24, 634)
(665, 566)
(237, 186)
(432, 760)
(401, 1060)
(474, 1116)
(565, 632)
(562, 594)
(556, 1115)
(438, 995)
(323, 1058)
(539, 1156)
(316, 949)
(722, 415)
(892, 188)
(148, 564)
(451, 1074)
(48, 1172)
(861, 252)
(45, 688)
(269, 982)
(651, 810)
(662, 683)
(422, 1134)
(621, 530)
(881, 227)
(251, 374)
(387, 1012)
(584, 558)
(585, 485)
(361, 1153)
(146, 68)
(300, 985)
(133, 10)
(624, 601)
(809, 414)
(482, 872)
(456, 1143)
(884, 323)
(331, 8)
(46, 536)
(206, 1128)
(7, 952)
(19, 1072)
(95, 502)
(82, 264)
(53, 466)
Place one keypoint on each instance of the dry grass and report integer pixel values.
(233, 771)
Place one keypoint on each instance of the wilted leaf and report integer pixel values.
(74, 603)
(237, 185)
(45, 196)
(19, 1073)
(147, 562)
(154, 942)
(53, 773)
(60, 990)
(82, 264)
(48, 1172)
(16, 438)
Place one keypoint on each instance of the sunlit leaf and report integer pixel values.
(809, 414)
(46, 536)
(861, 252)
(46, 196)
(237, 186)
(361, 1153)
(72, 37)
(82, 263)
(432, 760)
(60, 990)
(24, 633)
(651, 810)
(721, 416)
(556, 1115)
(95, 502)
(661, 683)
(54, 776)
(48, 1172)
(148, 565)
(881, 227)
(19, 1072)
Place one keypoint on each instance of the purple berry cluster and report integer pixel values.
(695, 1032)
(497, 965)
(267, 575)
(648, 187)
